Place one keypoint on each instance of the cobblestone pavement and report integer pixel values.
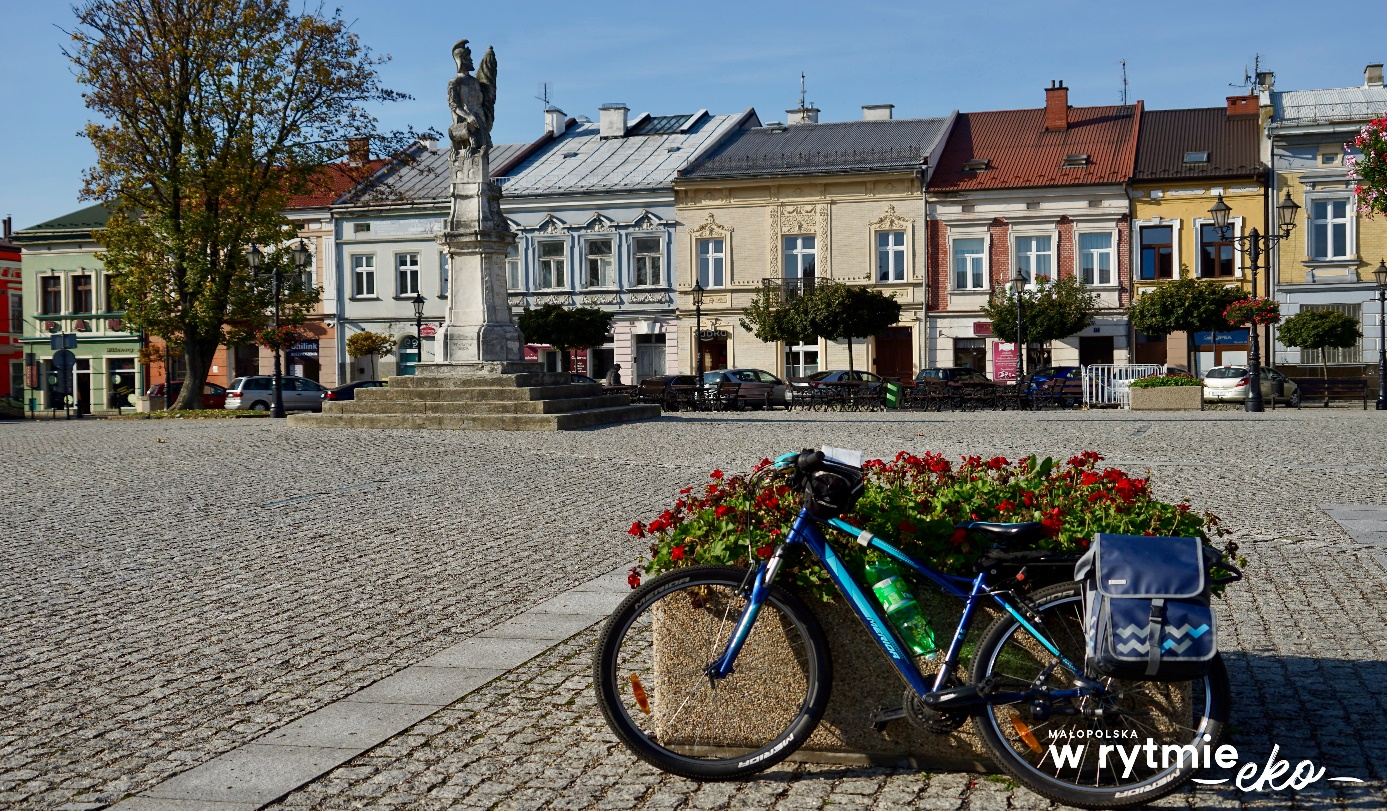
(173, 590)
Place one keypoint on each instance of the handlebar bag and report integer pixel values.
(1147, 614)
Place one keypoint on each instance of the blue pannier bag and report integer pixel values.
(1147, 615)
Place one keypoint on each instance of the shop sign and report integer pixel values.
(304, 349)
(982, 328)
(1003, 361)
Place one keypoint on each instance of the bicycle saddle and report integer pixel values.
(1004, 534)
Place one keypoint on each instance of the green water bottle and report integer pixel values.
(893, 592)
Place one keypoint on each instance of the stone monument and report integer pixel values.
(481, 380)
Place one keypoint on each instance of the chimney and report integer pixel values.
(358, 151)
(1057, 106)
(9, 228)
(555, 121)
(1242, 106)
(1372, 75)
(877, 112)
(1266, 80)
(612, 120)
(428, 142)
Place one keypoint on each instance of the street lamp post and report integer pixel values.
(1380, 276)
(256, 257)
(1255, 244)
(698, 338)
(1018, 283)
(418, 303)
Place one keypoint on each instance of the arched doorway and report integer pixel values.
(409, 354)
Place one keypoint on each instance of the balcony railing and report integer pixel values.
(788, 289)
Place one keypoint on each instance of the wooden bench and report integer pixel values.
(650, 391)
(755, 394)
(1335, 388)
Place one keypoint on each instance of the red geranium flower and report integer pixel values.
(636, 530)
(997, 462)
(716, 474)
(905, 526)
(959, 537)
(722, 511)
(764, 552)
(677, 553)
(1006, 506)
(633, 578)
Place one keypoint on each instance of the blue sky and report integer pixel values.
(926, 58)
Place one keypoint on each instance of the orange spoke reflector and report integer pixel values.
(644, 701)
(1022, 730)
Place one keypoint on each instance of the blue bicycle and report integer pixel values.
(716, 673)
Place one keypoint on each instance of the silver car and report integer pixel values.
(257, 393)
(712, 379)
(1229, 384)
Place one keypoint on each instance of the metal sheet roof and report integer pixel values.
(1021, 153)
(423, 177)
(580, 160)
(1332, 105)
(1167, 135)
(83, 219)
(829, 148)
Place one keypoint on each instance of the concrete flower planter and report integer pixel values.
(1168, 398)
(863, 681)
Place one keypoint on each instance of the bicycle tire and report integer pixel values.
(711, 592)
(1060, 607)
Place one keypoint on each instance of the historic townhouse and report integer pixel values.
(592, 207)
(66, 290)
(779, 206)
(1042, 190)
(11, 320)
(1186, 160)
(1328, 261)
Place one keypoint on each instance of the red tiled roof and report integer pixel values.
(1021, 153)
(333, 181)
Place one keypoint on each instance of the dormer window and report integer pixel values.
(1075, 161)
(975, 165)
(1196, 157)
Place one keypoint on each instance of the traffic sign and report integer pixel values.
(63, 359)
(66, 340)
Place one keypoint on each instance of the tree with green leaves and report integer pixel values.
(566, 328)
(774, 317)
(371, 345)
(1185, 305)
(209, 116)
(1050, 311)
(1320, 330)
(840, 311)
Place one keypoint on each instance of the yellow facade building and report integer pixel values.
(1186, 160)
(787, 205)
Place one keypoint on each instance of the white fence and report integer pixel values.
(1108, 384)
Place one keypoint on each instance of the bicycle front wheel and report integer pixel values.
(651, 663)
(1100, 756)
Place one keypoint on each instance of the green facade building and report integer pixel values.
(67, 291)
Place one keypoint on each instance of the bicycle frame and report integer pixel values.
(806, 531)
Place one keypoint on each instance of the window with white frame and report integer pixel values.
(969, 263)
(801, 360)
(711, 263)
(444, 274)
(1096, 259)
(406, 274)
(647, 261)
(513, 268)
(599, 263)
(1216, 254)
(890, 256)
(16, 313)
(1034, 256)
(363, 275)
(800, 255)
(50, 295)
(1331, 228)
(551, 265)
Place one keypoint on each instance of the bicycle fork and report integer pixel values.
(765, 574)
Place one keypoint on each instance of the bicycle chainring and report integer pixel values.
(932, 720)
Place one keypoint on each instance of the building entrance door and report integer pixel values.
(650, 356)
(1095, 350)
(714, 353)
(893, 356)
(82, 385)
(409, 354)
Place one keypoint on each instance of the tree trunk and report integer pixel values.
(197, 356)
(1189, 354)
(850, 368)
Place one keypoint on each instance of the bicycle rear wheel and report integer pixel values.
(1105, 764)
(650, 672)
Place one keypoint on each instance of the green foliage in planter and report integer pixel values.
(1164, 381)
(915, 502)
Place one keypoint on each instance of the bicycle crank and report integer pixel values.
(922, 716)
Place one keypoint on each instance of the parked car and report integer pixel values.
(778, 394)
(961, 374)
(213, 396)
(1229, 383)
(841, 376)
(574, 377)
(348, 392)
(257, 393)
(1073, 377)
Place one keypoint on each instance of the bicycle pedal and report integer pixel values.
(878, 719)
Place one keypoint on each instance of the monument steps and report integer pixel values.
(566, 421)
(499, 406)
(442, 394)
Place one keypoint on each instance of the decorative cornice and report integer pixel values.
(890, 221)
(710, 228)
